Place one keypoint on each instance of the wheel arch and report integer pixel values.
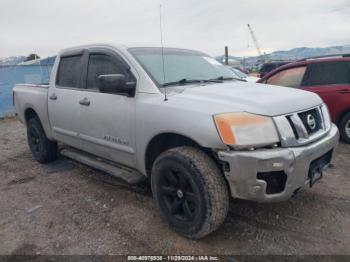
(165, 141)
(30, 113)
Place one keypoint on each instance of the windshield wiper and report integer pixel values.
(221, 78)
(185, 81)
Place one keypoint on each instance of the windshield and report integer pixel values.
(180, 65)
(239, 73)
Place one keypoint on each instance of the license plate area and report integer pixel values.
(317, 167)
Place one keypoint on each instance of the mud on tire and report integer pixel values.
(190, 191)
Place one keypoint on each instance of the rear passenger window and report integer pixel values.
(289, 77)
(69, 71)
(327, 73)
(100, 64)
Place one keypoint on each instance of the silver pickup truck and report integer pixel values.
(182, 120)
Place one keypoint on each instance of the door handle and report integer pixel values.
(84, 102)
(53, 97)
(344, 91)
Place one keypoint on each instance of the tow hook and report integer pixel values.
(296, 191)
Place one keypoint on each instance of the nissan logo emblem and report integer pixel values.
(311, 121)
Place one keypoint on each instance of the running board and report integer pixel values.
(128, 175)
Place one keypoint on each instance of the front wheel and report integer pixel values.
(190, 191)
(43, 150)
(344, 128)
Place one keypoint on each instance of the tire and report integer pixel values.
(190, 191)
(43, 150)
(344, 128)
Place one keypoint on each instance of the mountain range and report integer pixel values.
(12, 60)
(293, 54)
(304, 52)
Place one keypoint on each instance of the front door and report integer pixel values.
(107, 120)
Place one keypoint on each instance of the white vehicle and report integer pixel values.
(244, 76)
(180, 119)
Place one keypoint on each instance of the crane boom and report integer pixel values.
(255, 41)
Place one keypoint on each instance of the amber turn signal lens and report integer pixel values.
(242, 129)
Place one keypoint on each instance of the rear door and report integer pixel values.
(107, 120)
(331, 81)
(63, 99)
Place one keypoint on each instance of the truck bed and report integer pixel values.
(32, 96)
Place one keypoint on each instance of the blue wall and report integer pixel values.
(11, 75)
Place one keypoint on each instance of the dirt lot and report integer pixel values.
(66, 208)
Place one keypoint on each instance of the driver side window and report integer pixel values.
(289, 77)
(100, 64)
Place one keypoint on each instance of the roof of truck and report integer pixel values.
(76, 49)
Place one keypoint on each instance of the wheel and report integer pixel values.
(43, 150)
(344, 128)
(190, 191)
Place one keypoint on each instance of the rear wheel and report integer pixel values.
(190, 191)
(43, 150)
(344, 128)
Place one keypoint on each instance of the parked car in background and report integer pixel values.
(329, 77)
(245, 71)
(268, 67)
(244, 76)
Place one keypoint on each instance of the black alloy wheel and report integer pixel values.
(178, 195)
(34, 141)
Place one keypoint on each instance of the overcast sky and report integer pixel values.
(45, 26)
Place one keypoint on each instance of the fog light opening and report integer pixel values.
(275, 181)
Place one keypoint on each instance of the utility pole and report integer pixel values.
(226, 55)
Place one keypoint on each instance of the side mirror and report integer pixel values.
(116, 84)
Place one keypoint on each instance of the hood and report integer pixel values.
(249, 97)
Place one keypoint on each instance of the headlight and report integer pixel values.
(243, 129)
(326, 117)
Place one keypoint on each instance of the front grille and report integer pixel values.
(301, 128)
(312, 120)
(295, 131)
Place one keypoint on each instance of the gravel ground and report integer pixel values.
(67, 208)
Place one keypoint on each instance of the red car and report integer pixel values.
(329, 77)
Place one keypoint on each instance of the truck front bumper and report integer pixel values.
(272, 175)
